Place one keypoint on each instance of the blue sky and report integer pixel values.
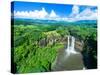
(28, 6)
(62, 10)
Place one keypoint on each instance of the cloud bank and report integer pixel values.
(75, 15)
(86, 14)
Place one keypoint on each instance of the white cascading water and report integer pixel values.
(70, 46)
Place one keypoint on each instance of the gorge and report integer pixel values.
(69, 59)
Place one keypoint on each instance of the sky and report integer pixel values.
(65, 12)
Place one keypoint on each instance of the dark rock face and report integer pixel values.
(90, 53)
(43, 42)
(89, 61)
(51, 41)
(79, 45)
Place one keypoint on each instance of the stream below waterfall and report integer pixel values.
(68, 59)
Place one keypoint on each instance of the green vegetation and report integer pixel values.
(32, 52)
(36, 46)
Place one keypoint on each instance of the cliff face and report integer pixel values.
(79, 45)
(51, 40)
(90, 53)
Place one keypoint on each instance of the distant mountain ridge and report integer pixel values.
(54, 21)
(87, 21)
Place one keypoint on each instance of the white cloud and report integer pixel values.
(86, 14)
(75, 11)
(42, 13)
(53, 14)
(38, 14)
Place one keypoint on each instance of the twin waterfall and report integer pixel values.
(71, 46)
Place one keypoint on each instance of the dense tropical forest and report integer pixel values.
(35, 45)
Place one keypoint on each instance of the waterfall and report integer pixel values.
(71, 46)
(68, 45)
